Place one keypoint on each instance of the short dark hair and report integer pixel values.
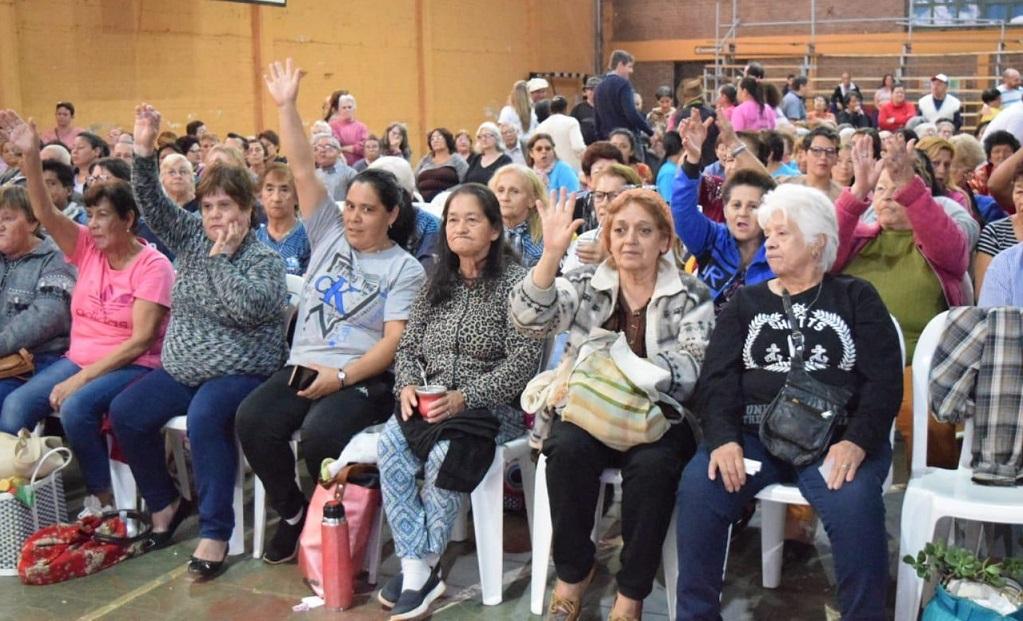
(799, 82)
(245, 141)
(374, 138)
(755, 145)
(449, 138)
(821, 130)
(120, 195)
(271, 135)
(729, 93)
(600, 150)
(172, 146)
(621, 131)
(750, 177)
(990, 94)
(64, 173)
(192, 128)
(774, 143)
(185, 143)
(234, 181)
(95, 142)
(1000, 137)
(672, 143)
(116, 166)
(445, 271)
(852, 95)
(619, 57)
(755, 70)
(67, 105)
(558, 105)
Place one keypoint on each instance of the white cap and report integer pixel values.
(941, 77)
(536, 84)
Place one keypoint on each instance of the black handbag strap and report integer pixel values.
(144, 531)
(797, 335)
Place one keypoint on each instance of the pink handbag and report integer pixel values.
(357, 486)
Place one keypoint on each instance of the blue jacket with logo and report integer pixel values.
(716, 251)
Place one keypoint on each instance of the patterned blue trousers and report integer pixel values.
(421, 518)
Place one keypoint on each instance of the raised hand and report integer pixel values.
(899, 161)
(282, 81)
(558, 224)
(866, 168)
(147, 128)
(23, 135)
(694, 134)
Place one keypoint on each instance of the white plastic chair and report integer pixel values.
(936, 493)
(774, 500)
(543, 534)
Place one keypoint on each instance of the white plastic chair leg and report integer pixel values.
(488, 525)
(916, 530)
(669, 560)
(772, 541)
(181, 465)
(595, 533)
(528, 470)
(258, 517)
(375, 548)
(542, 536)
(236, 545)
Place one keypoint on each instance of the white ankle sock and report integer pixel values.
(414, 573)
(292, 521)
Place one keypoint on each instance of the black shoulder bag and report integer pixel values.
(799, 423)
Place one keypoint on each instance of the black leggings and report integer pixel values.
(269, 416)
(650, 474)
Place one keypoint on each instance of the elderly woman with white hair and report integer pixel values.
(489, 155)
(178, 180)
(850, 342)
(350, 133)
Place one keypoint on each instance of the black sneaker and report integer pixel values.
(413, 604)
(391, 591)
(283, 547)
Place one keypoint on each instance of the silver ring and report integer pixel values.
(845, 466)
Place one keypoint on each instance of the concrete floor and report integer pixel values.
(156, 587)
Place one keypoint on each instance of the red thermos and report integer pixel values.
(338, 573)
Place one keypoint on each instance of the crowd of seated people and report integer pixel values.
(147, 276)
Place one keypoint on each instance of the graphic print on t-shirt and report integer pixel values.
(828, 341)
(344, 293)
(106, 305)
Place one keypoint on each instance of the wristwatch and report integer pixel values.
(736, 150)
(341, 377)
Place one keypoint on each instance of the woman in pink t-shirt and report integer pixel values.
(350, 133)
(752, 114)
(118, 312)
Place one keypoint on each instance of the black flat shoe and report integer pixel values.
(202, 570)
(159, 541)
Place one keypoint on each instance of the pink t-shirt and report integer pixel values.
(350, 134)
(101, 303)
(748, 116)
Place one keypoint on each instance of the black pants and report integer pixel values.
(269, 416)
(650, 474)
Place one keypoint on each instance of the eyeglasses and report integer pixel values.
(599, 196)
(823, 152)
(99, 177)
(542, 148)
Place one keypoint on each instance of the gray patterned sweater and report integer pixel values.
(226, 312)
(35, 298)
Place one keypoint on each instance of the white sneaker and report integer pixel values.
(92, 507)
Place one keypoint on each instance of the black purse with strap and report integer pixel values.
(801, 420)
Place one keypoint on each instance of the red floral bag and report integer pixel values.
(65, 551)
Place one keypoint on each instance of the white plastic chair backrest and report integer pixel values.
(891, 432)
(925, 347)
(295, 284)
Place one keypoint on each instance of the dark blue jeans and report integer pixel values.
(10, 384)
(138, 416)
(853, 517)
(81, 414)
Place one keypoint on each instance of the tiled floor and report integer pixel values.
(155, 587)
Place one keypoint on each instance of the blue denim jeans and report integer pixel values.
(853, 517)
(81, 414)
(10, 384)
(138, 415)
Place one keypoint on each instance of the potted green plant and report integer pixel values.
(969, 587)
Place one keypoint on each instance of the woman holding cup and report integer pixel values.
(453, 410)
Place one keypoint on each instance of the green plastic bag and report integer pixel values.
(947, 607)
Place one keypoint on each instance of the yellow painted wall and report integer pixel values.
(425, 62)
